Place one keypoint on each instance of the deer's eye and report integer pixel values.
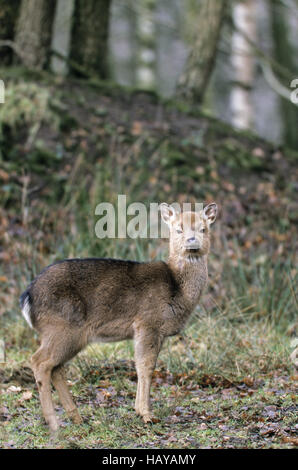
(179, 230)
(203, 230)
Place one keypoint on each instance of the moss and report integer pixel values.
(234, 154)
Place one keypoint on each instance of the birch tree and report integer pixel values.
(123, 42)
(199, 65)
(146, 48)
(61, 35)
(284, 55)
(243, 63)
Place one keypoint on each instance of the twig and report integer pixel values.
(93, 79)
(274, 83)
(287, 74)
(291, 287)
(74, 65)
(14, 47)
(268, 64)
(29, 432)
(26, 180)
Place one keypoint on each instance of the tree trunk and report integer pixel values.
(89, 39)
(171, 50)
(146, 55)
(34, 30)
(61, 35)
(284, 54)
(123, 42)
(243, 63)
(199, 65)
(8, 15)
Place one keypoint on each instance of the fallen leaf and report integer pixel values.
(14, 389)
(4, 175)
(26, 396)
(137, 128)
(290, 440)
(203, 426)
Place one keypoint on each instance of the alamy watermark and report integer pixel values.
(135, 220)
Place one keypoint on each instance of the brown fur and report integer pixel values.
(75, 302)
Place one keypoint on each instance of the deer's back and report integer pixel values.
(101, 294)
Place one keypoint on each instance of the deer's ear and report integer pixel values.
(168, 213)
(210, 212)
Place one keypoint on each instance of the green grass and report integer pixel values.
(189, 416)
(212, 386)
(213, 383)
(238, 338)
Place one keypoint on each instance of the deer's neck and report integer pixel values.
(191, 277)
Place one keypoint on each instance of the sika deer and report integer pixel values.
(77, 301)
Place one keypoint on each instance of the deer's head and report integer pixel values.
(189, 231)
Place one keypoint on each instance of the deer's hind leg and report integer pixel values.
(56, 348)
(42, 366)
(59, 381)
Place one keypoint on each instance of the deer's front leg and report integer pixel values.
(147, 347)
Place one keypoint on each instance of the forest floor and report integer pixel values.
(229, 380)
(191, 412)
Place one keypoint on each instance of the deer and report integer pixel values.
(75, 302)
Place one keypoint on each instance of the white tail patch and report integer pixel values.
(26, 311)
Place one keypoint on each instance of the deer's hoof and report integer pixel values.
(75, 417)
(149, 418)
(52, 423)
